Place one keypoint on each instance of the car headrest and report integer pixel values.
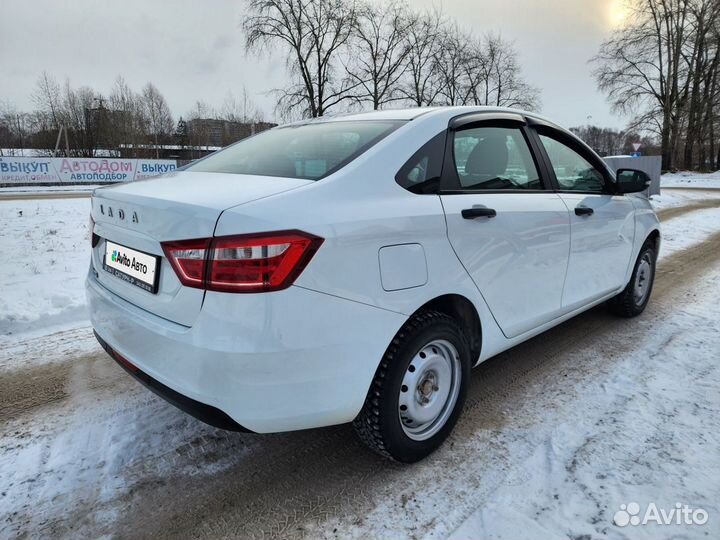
(489, 157)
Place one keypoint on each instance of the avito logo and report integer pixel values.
(121, 258)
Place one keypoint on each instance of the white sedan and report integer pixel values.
(356, 268)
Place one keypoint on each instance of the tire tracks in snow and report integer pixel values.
(37, 382)
(667, 214)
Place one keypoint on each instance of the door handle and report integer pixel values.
(472, 213)
(584, 211)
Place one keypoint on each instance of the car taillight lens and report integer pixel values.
(247, 263)
(188, 258)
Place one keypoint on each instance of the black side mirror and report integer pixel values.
(632, 181)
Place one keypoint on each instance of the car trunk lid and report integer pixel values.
(184, 205)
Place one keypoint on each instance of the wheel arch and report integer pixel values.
(654, 238)
(464, 312)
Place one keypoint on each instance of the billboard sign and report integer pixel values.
(22, 170)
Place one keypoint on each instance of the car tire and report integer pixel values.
(418, 390)
(636, 295)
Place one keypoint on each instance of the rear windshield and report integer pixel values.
(308, 151)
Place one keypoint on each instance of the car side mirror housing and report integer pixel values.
(632, 181)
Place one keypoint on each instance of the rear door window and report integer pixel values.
(494, 158)
(307, 151)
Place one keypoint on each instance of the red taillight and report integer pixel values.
(188, 259)
(247, 263)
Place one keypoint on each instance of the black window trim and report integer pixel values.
(403, 171)
(473, 120)
(529, 126)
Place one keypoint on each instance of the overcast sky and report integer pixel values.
(193, 49)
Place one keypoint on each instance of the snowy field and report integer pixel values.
(558, 433)
(46, 249)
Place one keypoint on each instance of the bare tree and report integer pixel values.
(14, 128)
(451, 60)
(702, 60)
(643, 68)
(78, 105)
(508, 88)
(605, 141)
(157, 116)
(240, 108)
(314, 33)
(126, 117)
(47, 99)
(422, 41)
(493, 75)
(379, 49)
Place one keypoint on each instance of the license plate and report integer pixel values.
(133, 266)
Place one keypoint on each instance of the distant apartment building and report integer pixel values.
(215, 132)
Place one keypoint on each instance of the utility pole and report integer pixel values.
(67, 143)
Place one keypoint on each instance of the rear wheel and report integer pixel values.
(418, 390)
(635, 297)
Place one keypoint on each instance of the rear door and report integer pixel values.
(602, 223)
(509, 231)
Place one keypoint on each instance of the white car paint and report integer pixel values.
(525, 249)
(304, 356)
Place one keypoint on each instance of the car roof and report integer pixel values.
(385, 114)
(408, 114)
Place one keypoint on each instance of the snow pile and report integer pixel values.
(45, 255)
(691, 179)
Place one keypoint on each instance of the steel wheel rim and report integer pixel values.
(429, 389)
(643, 279)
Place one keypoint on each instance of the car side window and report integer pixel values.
(573, 172)
(421, 173)
(494, 158)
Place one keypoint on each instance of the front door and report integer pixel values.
(602, 224)
(509, 232)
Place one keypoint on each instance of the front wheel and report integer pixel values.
(635, 297)
(418, 390)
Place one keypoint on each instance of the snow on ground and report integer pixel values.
(45, 252)
(674, 198)
(635, 439)
(693, 228)
(691, 179)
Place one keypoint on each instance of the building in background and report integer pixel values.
(216, 132)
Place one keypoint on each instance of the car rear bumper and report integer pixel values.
(270, 362)
(201, 411)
